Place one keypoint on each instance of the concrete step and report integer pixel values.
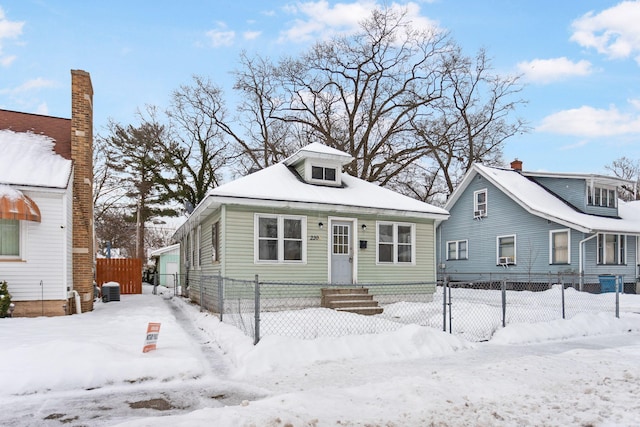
(367, 311)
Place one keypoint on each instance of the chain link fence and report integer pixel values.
(473, 306)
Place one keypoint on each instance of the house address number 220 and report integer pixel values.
(314, 237)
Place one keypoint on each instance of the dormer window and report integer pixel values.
(602, 196)
(319, 165)
(323, 173)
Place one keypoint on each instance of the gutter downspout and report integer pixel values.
(580, 255)
(76, 297)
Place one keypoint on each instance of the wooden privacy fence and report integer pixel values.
(125, 271)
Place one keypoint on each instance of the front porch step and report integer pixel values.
(352, 300)
(367, 311)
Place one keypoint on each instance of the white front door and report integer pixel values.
(341, 252)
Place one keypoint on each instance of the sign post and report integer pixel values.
(153, 330)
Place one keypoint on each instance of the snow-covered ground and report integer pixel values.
(89, 370)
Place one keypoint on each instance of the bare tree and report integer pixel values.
(267, 139)
(469, 123)
(108, 193)
(196, 151)
(628, 169)
(360, 93)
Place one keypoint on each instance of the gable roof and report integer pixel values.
(279, 186)
(536, 200)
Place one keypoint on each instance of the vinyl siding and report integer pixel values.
(45, 253)
(569, 189)
(505, 217)
(237, 249)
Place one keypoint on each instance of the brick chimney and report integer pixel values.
(516, 165)
(82, 157)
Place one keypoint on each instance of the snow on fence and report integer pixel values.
(473, 309)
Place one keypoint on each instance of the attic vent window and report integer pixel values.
(324, 174)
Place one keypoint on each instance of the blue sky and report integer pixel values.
(580, 59)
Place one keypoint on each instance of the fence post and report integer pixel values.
(175, 284)
(256, 335)
(563, 300)
(220, 295)
(155, 283)
(444, 303)
(619, 285)
(504, 302)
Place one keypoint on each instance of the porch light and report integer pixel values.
(320, 225)
(364, 227)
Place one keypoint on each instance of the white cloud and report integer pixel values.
(34, 84)
(320, 20)
(8, 30)
(555, 69)
(5, 61)
(42, 109)
(614, 32)
(221, 36)
(592, 122)
(575, 146)
(251, 35)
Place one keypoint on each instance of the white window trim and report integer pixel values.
(457, 242)
(280, 218)
(325, 165)
(22, 244)
(604, 249)
(551, 233)
(475, 203)
(592, 189)
(395, 242)
(515, 249)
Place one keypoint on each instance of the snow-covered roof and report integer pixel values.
(279, 186)
(166, 249)
(28, 159)
(319, 151)
(538, 201)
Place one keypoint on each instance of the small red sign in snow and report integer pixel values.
(153, 330)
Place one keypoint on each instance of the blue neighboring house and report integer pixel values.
(509, 220)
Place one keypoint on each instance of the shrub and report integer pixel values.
(5, 299)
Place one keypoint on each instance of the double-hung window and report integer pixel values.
(480, 203)
(9, 238)
(395, 243)
(611, 249)
(559, 242)
(280, 238)
(506, 249)
(457, 250)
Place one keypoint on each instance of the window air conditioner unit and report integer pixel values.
(505, 260)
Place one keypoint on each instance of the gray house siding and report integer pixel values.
(532, 233)
(571, 190)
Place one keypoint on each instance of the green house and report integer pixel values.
(305, 221)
